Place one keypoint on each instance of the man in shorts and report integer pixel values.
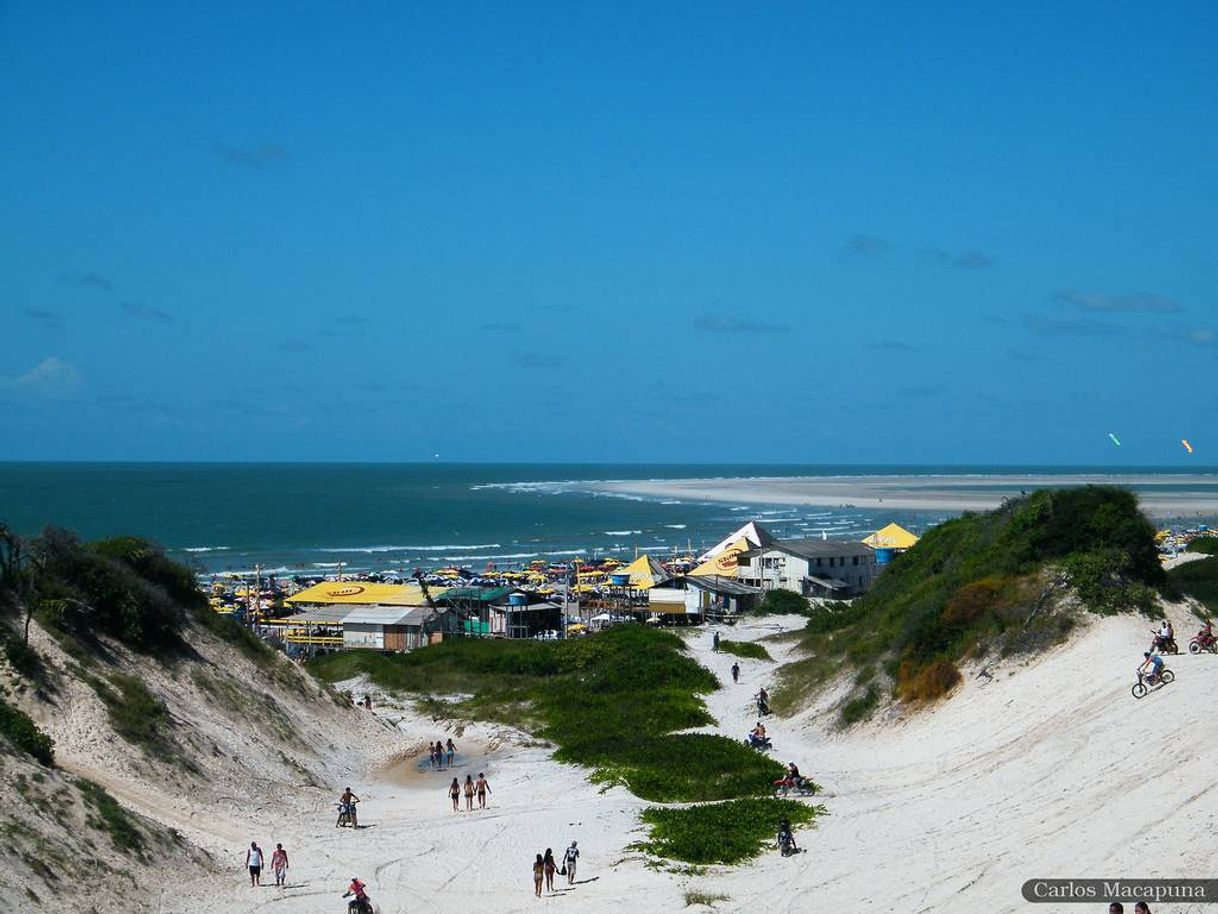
(253, 860)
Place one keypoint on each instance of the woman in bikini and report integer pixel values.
(468, 787)
(454, 791)
(539, 869)
(551, 868)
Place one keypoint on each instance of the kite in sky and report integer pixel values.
(1115, 439)
(1188, 447)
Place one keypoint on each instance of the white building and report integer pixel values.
(836, 569)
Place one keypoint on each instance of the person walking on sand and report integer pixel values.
(551, 868)
(539, 869)
(253, 860)
(454, 791)
(569, 859)
(431, 754)
(715, 642)
(736, 673)
(279, 865)
(468, 789)
(482, 787)
(452, 751)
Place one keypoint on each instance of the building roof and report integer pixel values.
(752, 531)
(722, 584)
(894, 536)
(814, 548)
(724, 564)
(328, 615)
(645, 573)
(363, 593)
(474, 594)
(387, 615)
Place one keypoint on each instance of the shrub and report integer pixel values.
(831, 617)
(112, 818)
(779, 602)
(720, 832)
(918, 682)
(19, 729)
(750, 649)
(972, 601)
(1207, 545)
(1198, 580)
(860, 707)
(136, 714)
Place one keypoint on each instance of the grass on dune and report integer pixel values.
(729, 832)
(610, 702)
(749, 649)
(1198, 580)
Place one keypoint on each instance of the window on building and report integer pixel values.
(856, 560)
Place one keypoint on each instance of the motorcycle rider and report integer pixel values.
(757, 736)
(1155, 662)
(1165, 637)
(1206, 635)
(763, 702)
(361, 903)
(786, 836)
(794, 776)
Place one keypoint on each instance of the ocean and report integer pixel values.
(307, 518)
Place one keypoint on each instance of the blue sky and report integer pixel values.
(576, 231)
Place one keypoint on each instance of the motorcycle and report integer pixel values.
(359, 905)
(1203, 642)
(346, 815)
(763, 706)
(760, 743)
(785, 787)
(1163, 645)
(1143, 685)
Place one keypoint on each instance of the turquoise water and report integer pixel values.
(309, 517)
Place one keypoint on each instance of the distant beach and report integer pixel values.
(1162, 496)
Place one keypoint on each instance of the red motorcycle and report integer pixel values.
(1206, 640)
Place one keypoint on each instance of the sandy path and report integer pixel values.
(1191, 495)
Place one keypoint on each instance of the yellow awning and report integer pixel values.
(328, 593)
(724, 564)
(894, 536)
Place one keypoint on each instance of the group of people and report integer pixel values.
(254, 862)
(441, 752)
(1140, 908)
(545, 867)
(470, 789)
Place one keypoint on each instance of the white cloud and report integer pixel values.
(49, 379)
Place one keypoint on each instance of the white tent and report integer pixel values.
(752, 531)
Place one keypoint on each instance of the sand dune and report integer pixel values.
(1049, 769)
(1183, 496)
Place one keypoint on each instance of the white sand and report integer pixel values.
(1048, 770)
(1191, 495)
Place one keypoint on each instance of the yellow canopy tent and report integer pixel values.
(894, 536)
(645, 573)
(724, 564)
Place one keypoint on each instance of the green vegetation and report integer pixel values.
(749, 649)
(729, 832)
(1198, 580)
(109, 817)
(1206, 545)
(978, 583)
(704, 898)
(611, 702)
(18, 729)
(782, 603)
(136, 714)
